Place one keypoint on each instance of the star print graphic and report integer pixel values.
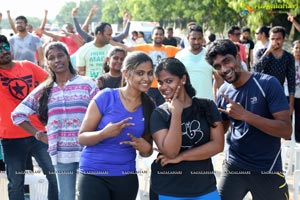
(18, 87)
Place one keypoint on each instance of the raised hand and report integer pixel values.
(94, 9)
(176, 104)
(290, 17)
(126, 16)
(114, 129)
(74, 11)
(233, 109)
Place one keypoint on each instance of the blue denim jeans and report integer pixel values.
(212, 195)
(66, 180)
(15, 153)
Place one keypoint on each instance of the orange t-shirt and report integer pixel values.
(15, 85)
(157, 53)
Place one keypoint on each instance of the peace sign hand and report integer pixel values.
(176, 104)
(139, 144)
(114, 129)
(235, 110)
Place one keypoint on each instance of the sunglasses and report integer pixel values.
(4, 46)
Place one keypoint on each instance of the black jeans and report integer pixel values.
(93, 187)
(235, 183)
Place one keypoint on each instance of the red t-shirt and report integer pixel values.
(71, 43)
(15, 85)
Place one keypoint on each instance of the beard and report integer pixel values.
(235, 75)
(158, 41)
(196, 47)
(5, 59)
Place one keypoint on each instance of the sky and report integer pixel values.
(32, 8)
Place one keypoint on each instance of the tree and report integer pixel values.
(213, 15)
(65, 16)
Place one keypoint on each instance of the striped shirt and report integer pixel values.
(66, 109)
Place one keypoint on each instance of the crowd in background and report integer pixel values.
(87, 101)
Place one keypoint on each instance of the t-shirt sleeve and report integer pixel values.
(275, 96)
(172, 51)
(39, 74)
(261, 62)
(251, 44)
(80, 56)
(141, 47)
(215, 114)
(159, 120)
(291, 74)
(103, 99)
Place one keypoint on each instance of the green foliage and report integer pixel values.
(65, 14)
(213, 15)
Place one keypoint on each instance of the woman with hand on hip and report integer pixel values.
(116, 125)
(61, 102)
(187, 131)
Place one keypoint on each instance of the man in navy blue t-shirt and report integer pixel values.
(255, 106)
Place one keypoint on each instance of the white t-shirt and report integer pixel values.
(200, 72)
(92, 58)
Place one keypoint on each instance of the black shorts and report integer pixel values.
(235, 183)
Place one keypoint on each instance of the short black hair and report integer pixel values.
(196, 28)
(158, 28)
(278, 29)
(232, 29)
(246, 29)
(3, 39)
(220, 47)
(21, 17)
(169, 29)
(212, 37)
(263, 29)
(101, 27)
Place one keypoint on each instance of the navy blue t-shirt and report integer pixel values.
(250, 148)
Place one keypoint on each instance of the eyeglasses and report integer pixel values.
(236, 34)
(4, 46)
(257, 33)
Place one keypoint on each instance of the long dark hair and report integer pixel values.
(131, 62)
(48, 84)
(201, 107)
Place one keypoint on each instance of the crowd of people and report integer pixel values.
(84, 103)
